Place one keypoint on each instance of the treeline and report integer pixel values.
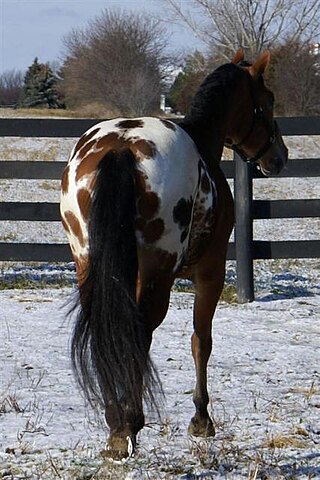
(120, 62)
(39, 87)
(293, 74)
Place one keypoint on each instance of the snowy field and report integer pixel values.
(264, 383)
(264, 374)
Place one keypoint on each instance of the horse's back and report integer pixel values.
(175, 194)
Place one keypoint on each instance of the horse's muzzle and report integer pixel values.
(274, 162)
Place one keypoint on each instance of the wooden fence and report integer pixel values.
(244, 249)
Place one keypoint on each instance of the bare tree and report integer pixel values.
(252, 24)
(118, 61)
(11, 82)
(294, 76)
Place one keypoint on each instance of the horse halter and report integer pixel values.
(257, 116)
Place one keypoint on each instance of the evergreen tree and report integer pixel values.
(187, 82)
(40, 87)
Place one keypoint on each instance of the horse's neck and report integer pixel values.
(209, 140)
(212, 110)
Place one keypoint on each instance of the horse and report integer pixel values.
(144, 202)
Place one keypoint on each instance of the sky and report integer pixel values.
(35, 28)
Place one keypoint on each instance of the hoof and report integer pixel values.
(119, 449)
(201, 427)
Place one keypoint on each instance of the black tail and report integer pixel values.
(110, 345)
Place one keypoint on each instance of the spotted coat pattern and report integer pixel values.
(175, 195)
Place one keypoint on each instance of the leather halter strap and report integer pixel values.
(257, 116)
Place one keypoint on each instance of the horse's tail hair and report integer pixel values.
(110, 343)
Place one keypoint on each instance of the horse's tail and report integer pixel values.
(110, 344)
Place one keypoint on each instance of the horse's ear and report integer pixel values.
(260, 65)
(239, 56)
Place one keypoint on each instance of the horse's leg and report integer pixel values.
(122, 438)
(124, 429)
(208, 286)
(153, 299)
(208, 278)
(121, 441)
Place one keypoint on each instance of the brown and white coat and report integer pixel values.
(175, 196)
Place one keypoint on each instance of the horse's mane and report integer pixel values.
(213, 94)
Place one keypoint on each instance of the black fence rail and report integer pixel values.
(244, 250)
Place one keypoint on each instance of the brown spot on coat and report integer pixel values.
(168, 124)
(182, 212)
(84, 139)
(153, 230)
(89, 164)
(130, 123)
(84, 201)
(110, 141)
(81, 268)
(104, 144)
(65, 225)
(145, 147)
(74, 226)
(86, 148)
(148, 204)
(65, 180)
(182, 216)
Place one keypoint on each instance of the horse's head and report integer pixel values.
(254, 133)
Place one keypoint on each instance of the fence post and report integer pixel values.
(243, 230)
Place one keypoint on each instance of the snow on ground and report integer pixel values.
(264, 383)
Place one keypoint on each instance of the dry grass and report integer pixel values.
(228, 295)
(34, 112)
(50, 185)
(8, 237)
(93, 110)
(10, 403)
(307, 392)
(25, 283)
(281, 441)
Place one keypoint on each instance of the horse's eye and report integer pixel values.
(270, 106)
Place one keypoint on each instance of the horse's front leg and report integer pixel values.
(208, 291)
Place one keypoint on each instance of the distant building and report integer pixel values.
(163, 106)
(315, 48)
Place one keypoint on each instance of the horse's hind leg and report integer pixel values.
(124, 428)
(153, 300)
(208, 285)
(122, 439)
